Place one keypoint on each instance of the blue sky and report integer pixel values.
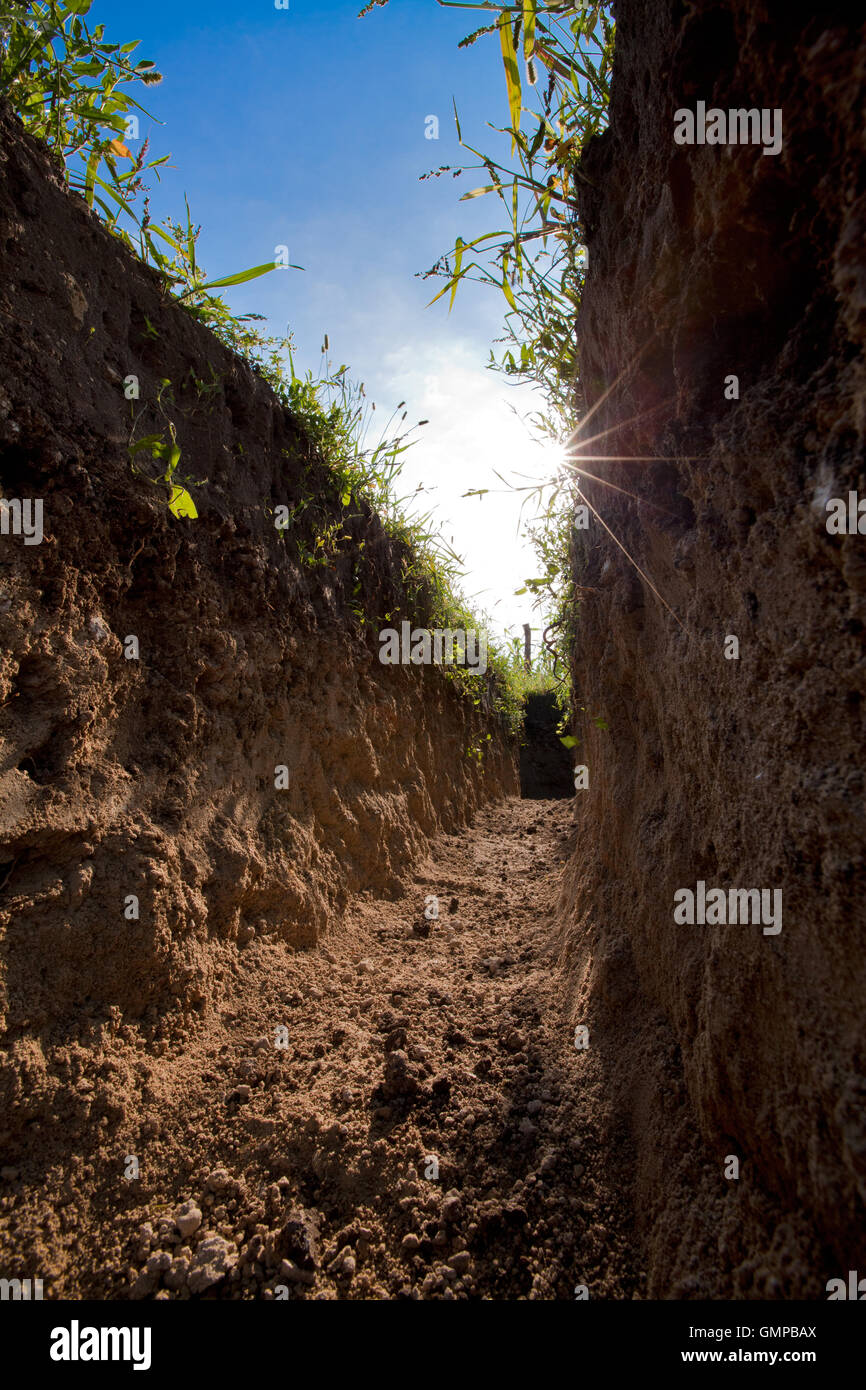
(306, 127)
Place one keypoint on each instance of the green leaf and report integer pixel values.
(148, 441)
(537, 140)
(477, 192)
(457, 121)
(441, 292)
(529, 12)
(458, 260)
(112, 193)
(173, 461)
(190, 237)
(240, 278)
(165, 237)
(506, 287)
(90, 176)
(568, 741)
(181, 504)
(512, 72)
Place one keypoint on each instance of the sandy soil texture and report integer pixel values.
(416, 1045)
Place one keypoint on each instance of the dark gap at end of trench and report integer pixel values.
(545, 764)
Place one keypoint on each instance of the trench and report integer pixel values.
(339, 1050)
(399, 1112)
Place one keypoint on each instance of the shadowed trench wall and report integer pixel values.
(707, 263)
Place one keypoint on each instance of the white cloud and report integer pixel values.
(473, 434)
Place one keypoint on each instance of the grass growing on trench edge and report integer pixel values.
(72, 90)
(536, 259)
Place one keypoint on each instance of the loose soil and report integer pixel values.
(409, 1040)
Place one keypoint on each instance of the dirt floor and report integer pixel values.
(430, 1131)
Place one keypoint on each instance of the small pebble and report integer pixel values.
(187, 1218)
(452, 1207)
(295, 1275)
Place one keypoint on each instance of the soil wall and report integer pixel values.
(706, 263)
(255, 764)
